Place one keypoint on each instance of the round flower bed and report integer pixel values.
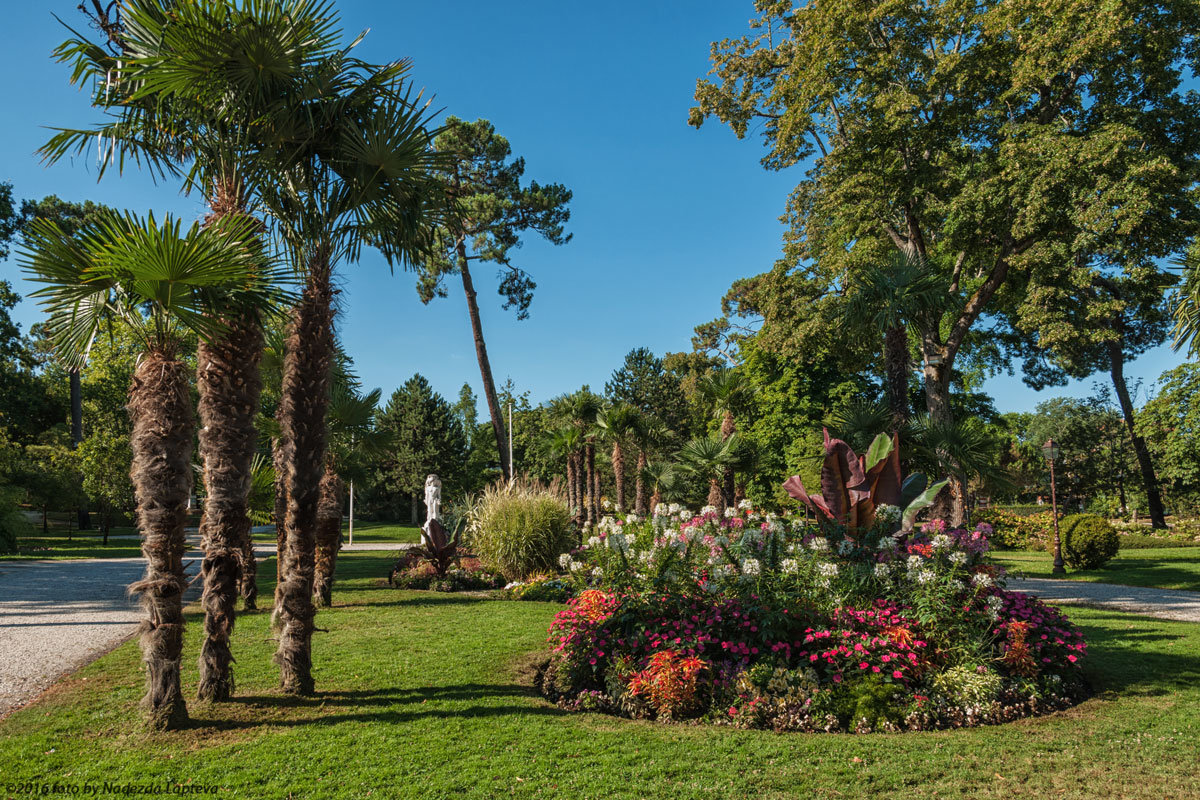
(760, 621)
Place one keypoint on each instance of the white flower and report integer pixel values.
(661, 510)
(888, 543)
(995, 601)
(708, 510)
(593, 541)
(745, 505)
(719, 572)
(845, 547)
(751, 567)
(674, 508)
(576, 566)
(597, 572)
(827, 570)
(730, 511)
(818, 545)
(915, 562)
(887, 514)
(607, 504)
(882, 570)
(958, 558)
(925, 576)
(645, 556)
(790, 565)
(632, 518)
(942, 542)
(564, 560)
(983, 580)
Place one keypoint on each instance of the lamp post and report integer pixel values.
(1050, 451)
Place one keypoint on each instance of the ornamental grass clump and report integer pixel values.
(519, 528)
(769, 621)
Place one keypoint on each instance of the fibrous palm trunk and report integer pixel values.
(572, 499)
(280, 508)
(228, 380)
(485, 366)
(715, 495)
(593, 502)
(728, 428)
(329, 534)
(895, 357)
(618, 465)
(161, 411)
(639, 491)
(950, 503)
(302, 409)
(581, 494)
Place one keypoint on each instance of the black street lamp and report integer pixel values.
(1050, 451)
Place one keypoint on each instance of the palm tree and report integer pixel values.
(650, 434)
(580, 410)
(728, 391)
(885, 298)
(353, 441)
(162, 285)
(662, 479)
(365, 174)
(618, 423)
(1187, 306)
(709, 458)
(188, 94)
(566, 442)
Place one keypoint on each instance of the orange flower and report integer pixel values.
(594, 605)
(899, 635)
(669, 682)
(1018, 657)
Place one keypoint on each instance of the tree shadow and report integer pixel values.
(394, 705)
(1126, 656)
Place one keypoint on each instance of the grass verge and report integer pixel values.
(1164, 568)
(424, 695)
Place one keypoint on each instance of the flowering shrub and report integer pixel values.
(758, 620)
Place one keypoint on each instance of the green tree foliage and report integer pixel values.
(104, 459)
(1170, 423)
(427, 437)
(992, 140)
(644, 382)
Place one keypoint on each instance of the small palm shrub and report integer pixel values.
(1089, 541)
(520, 528)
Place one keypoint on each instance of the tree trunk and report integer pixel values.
(572, 499)
(639, 491)
(593, 502)
(329, 535)
(161, 410)
(83, 520)
(895, 356)
(728, 428)
(950, 502)
(1116, 359)
(228, 380)
(414, 508)
(580, 493)
(248, 586)
(618, 465)
(655, 499)
(280, 508)
(485, 366)
(302, 409)
(715, 495)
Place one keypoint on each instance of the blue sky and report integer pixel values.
(593, 95)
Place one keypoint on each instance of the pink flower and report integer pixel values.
(897, 674)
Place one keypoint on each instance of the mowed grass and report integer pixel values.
(367, 532)
(56, 543)
(426, 695)
(1163, 567)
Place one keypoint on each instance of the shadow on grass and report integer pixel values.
(392, 705)
(1130, 656)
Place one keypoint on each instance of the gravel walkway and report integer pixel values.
(56, 616)
(1163, 603)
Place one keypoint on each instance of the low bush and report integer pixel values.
(1018, 531)
(1089, 541)
(520, 528)
(1146, 541)
(546, 588)
(414, 572)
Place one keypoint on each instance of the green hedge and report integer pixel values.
(1089, 541)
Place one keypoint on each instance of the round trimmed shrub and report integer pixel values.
(1089, 541)
(520, 528)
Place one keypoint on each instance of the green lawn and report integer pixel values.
(368, 532)
(80, 544)
(1164, 567)
(427, 696)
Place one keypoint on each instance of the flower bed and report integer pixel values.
(772, 622)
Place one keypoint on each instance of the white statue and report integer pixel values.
(433, 498)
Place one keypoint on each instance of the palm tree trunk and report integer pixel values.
(329, 534)
(302, 408)
(950, 502)
(639, 492)
(160, 408)
(572, 499)
(728, 428)
(83, 518)
(229, 384)
(895, 356)
(580, 493)
(280, 509)
(618, 465)
(715, 495)
(593, 502)
(248, 587)
(655, 499)
(485, 366)
(1116, 361)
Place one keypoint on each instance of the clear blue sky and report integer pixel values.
(593, 95)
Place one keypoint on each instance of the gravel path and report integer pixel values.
(1163, 603)
(56, 616)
